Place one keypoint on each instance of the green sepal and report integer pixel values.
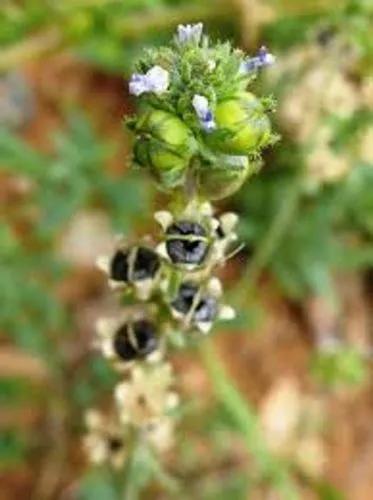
(224, 176)
(242, 125)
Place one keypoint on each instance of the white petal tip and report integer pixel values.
(164, 218)
(162, 250)
(214, 223)
(104, 327)
(228, 222)
(115, 285)
(103, 263)
(215, 287)
(204, 327)
(144, 289)
(227, 313)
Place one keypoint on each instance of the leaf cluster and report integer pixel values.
(331, 230)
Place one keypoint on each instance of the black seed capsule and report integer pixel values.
(185, 297)
(146, 338)
(206, 309)
(186, 251)
(136, 342)
(123, 346)
(119, 266)
(115, 443)
(146, 264)
(219, 232)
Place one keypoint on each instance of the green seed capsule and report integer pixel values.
(243, 126)
(165, 146)
(224, 177)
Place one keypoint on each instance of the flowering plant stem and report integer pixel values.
(247, 423)
(199, 148)
(144, 463)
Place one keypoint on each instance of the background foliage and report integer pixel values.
(302, 247)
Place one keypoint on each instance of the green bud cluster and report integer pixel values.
(165, 145)
(170, 141)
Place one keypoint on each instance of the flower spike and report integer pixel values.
(199, 133)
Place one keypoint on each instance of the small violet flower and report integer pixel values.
(189, 33)
(264, 58)
(137, 84)
(155, 80)
(201, 107)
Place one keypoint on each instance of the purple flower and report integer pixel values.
(155, 80)
(204, 113)
(138, 84)
(189, 33)
(262, 59)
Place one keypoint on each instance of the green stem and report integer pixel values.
(144, 466)
(271, 240)
(247, 423)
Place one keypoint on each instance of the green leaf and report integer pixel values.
(13, 449)
(97, 484)
(344, 367)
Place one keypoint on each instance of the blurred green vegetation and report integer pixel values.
(302, 239)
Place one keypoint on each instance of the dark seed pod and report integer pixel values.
(185, 297)
(187, 243)
(137, 264)
(206, 308)
(135, 340)
(220, 232)
(146, 264)
(119, 266)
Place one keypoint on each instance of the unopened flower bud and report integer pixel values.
(225, 176)
(242, 125)
(165, 145)
(189, 33)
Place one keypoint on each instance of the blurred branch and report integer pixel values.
(136, 25)
(54, 462)
(247, 423)
(133, 27)
(254, 14)
(32, 48)
(14, 363)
